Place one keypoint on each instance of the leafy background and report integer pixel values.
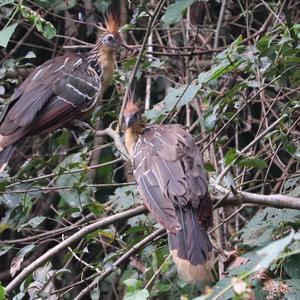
(228, 71)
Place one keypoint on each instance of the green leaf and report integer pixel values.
(3, 227)
(5, 2)
(95, 293)
(258, 232)
(174, 11)
(18, 259)
(184, 94)
(257, 163)
(230, 156)
(78, 195)
(34, 222)
(137, 295)
(221, 285)
(6, 33)
(270, 252)
(124, 197)
(49, 31)
(96, 208)
(132, 283)
(294, 289)
(2, 292)
(210, 120)
(5, 249)
(42, 274)
(209, 167)
(292, 267)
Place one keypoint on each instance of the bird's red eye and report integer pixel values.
(110, 38)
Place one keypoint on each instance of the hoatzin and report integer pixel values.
(59, 92)
(169, 172)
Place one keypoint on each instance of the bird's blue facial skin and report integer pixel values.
(110, 41)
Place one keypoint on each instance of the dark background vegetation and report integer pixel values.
(228, 71)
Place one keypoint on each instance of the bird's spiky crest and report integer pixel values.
(132, 105)
(112, 23)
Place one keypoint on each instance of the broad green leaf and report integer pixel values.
(180, 96)
(175, 10)
(137, 295)
(5, 34)
(132, 283)
(78, 195)
(294, 289)
(184, 94)
(221, 285)
(292, 267)
(34, 222)
(230, 156)
(258, 232)
(270, 252)
(257, 163)
(124, 197)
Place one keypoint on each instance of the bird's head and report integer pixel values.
(132, 114)
(110, 38)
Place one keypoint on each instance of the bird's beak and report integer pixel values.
(111, 41)
(129, 120)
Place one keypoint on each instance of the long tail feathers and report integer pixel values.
(5, 156)
(191, 248)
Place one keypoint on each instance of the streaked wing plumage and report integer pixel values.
(169, 170)
(167, 161)
(51, 96)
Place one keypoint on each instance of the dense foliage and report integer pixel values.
(228, 71)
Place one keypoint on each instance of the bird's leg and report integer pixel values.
(82, 125)
(85, 127)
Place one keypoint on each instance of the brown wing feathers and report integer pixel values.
(59, 91)
(47, 96)
(170, 175)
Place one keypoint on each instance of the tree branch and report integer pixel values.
(117, 140)
(121, 259)
(240, 197)
(69, 241)
(138, 60)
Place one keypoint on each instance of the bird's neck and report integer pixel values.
(131, 137)
(103, 60)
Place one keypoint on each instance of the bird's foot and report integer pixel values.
(82, 125)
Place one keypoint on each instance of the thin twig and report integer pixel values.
(138, 60)
(69, 241)
(120, 260)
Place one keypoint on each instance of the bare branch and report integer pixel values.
(69, 241)
(240, 197)
(121, 259)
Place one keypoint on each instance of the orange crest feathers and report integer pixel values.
(112, 23)
(132, 106)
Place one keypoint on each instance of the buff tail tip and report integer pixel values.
(194, 273)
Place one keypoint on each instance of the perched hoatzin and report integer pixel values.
(169, 171)
(58, 92)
